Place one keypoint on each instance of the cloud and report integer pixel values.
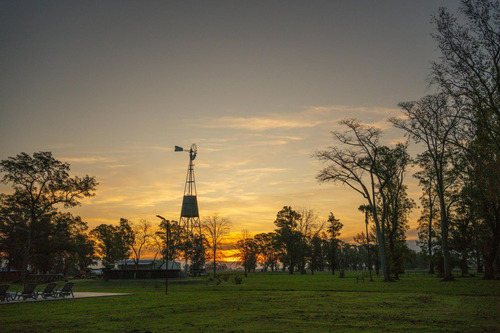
(262, 123)
(261, 170)
(87, 160)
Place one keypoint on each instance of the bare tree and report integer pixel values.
(141, 236)
(356, 164)
(215, 228)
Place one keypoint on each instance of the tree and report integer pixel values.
(364, 239)
(309, 229)
(431, 121)
(176, 240)
(113, 242)
(141, 235)
(469, 69)
(481, 195)
(287, 221)
(469, 66)
(357, 165)
(247, 251)
(430, 213)
(41, 183)
(268, 250)
(215, 228)
(44, 182)
(333, 227)
(394, 202)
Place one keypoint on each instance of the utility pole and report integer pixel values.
(166, 251)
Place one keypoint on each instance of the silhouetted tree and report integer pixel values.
(357, 164)
(431, 121)
(41, 183)
(215, 228)
(428, 224)
(287, 221)
(141, 235)
(468, 69)
(333, 227)
(113, 242)
(268, 250)
(247, 251)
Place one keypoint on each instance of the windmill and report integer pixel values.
(190, 218)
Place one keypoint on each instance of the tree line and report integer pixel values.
(458, 129)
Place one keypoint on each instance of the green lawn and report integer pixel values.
(268, 302)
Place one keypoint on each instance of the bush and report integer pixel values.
(238, 279)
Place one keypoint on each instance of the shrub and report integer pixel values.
(238, 279)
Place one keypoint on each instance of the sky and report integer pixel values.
(111, 86)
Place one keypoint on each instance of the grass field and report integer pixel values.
(268, 302)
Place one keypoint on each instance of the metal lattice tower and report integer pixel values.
(190, 217)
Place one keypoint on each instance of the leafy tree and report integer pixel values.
(215, 229)
(481, 196)
(14, 232)
(317, 261)
(268, 250)
(427, 227)
(309, 228)
(247, 252)
(468, 69)
(287, 221)
(113, 242)
(431, 121)
(395, 204)
(41, 184)
(175, 242)
(333, 227)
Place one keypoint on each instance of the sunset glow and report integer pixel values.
(111, 89)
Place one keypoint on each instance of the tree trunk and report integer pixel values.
(429, 242)
(383, 257)
(489, 258)
(215, 263)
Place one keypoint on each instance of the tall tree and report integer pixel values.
(287, 221)
(333, 227)
(215, 229)
(357, 164)
(430, 212)
(364, 238)
(469, 66)
(431, 121)
(395, 202)
(469, 69)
